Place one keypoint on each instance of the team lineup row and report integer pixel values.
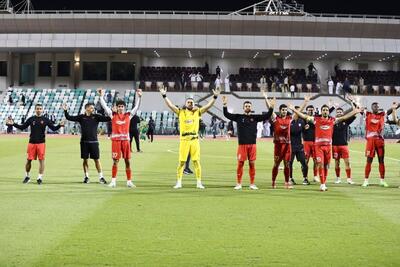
(296, 135)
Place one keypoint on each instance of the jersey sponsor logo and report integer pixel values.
(283, 127)
(375, 121)
(188, 121)
(120, 122)
(325, 127)
(41, 122)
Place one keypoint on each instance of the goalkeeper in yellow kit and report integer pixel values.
(189, 120)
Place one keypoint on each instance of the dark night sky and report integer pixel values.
(385, 7)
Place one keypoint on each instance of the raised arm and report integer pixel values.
(389, 111)
(270, 103)
(103, 104)
(163, 92)
(216, 93)
(301, 114)
(21, 127)
(53, 127)
(354, 112)
(227, 114)
(139, 93)
(305, 103)
(69, 117)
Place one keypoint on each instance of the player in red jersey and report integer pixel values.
(120, 134)
(323, 137)
(374, 126)
(282, 146)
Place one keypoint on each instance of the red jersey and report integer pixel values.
(282, 129)
(120, 126)
(324, 130)
(374, 124)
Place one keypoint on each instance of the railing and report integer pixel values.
(182, 12)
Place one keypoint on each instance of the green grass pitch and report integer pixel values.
(66, 223)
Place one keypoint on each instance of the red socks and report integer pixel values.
(367, 169)
(252, 172)
(239, 172)
(114, 171)
(286, 172)
(382, 170)
(128, 174)
(337, 170)
(274, 174)
(348, 173)
(322, 175)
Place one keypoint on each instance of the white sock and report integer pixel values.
(87, 174)
(100, 175)
(40, 176)
(27, 174)
(113, 180)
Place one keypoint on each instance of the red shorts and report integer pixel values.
(323, 154)
(375, 145)
(309, 149)
(340, 152)
(247, 152)
(120, 147)
(36, 151)
(282, 151)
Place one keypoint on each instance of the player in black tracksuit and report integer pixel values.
(89, 142)
(36, 147)
(296, 129)
(134, 132)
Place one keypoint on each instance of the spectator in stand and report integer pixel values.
(206, 67)
(270, 81)
(176, 130)
(331, 84)
(218, 82)
(183, 80)
(263, 81)
(23, 99)
(10, 127)
(361, 84)
(338, 87)
(202, 129)
(292, 90)
(227, 83)
(336, 69)
(23, 118)
(230, 130)
(218, 71)
(109, 97)
(10, 100)
(199, 77)
(221, 126)
(346, 87)
(311, 70)
(285, 84)
(192, 77)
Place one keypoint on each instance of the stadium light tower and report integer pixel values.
(23, 6)
(274, 8)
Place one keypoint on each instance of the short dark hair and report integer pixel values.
(309, 106)
(339, 109)
(247, 102)
(38, 105)
(296, 107)
(120, 102)
(374, 103)
(324, 106)
(282, 106)
(89, 104)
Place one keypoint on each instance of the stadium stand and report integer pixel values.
(375, 82)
